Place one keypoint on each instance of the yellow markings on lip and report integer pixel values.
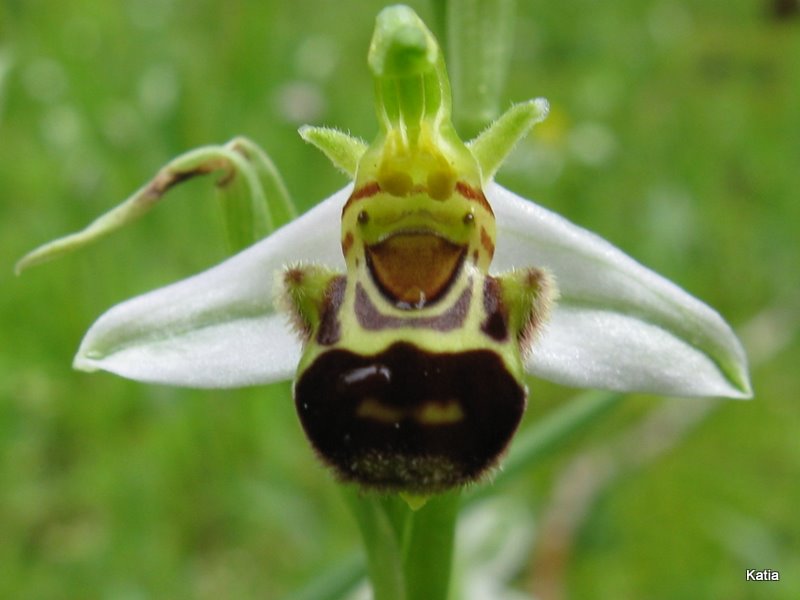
(430, 413)
(371, 408)
(436, 413)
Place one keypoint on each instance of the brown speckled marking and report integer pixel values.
(400, 450)
(294, 276)
(370, 318)
(464, 189)
(486, 242)
(168, 178)
(539, 280)
(496, 323)
(365, 191)
(471, 193)
(347, 242)
(329, 326)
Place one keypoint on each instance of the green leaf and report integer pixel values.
(334, 583)
(253, 195)
(382, 542)
(426, 556)
(538, 440)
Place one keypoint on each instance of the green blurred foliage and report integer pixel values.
(675, 133)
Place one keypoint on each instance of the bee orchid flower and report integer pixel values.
(408, 307)
(617, 325)
(423, 263)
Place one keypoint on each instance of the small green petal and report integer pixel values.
(343, 150)
(497, 141)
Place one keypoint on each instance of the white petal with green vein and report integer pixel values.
(618, 325)
(218, 328)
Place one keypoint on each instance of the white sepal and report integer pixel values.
(617, 325)
(219, 328)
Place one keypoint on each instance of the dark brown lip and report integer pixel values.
(414, 268)
(403, 430)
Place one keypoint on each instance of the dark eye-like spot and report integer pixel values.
(363, 217)
(469, 218)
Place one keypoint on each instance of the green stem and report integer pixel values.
(429, 549)
(409, 552)
(480, 36)
(381, 543)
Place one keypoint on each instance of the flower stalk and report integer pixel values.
(409, 550)
(480, 36)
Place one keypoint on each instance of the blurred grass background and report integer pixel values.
(675, 133)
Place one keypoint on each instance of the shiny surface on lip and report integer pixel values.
(410, 419)
(414, 268)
